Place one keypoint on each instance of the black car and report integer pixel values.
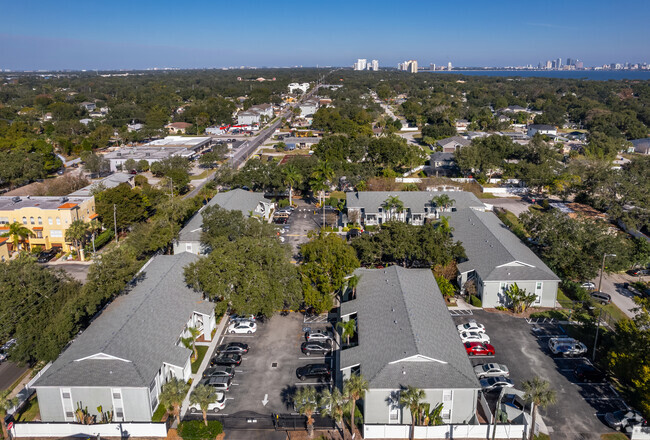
(233, 347)
(46, 256)
(226, 359)
(318, 348)
(314, 371)
(219, 370)
(589, 373)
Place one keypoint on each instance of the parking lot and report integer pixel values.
(300, 222)
(523, 347)
(266, 379)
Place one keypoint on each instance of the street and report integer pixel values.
(9, 373)
(78, 271)
(621, 297)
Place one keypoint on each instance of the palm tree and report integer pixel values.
(323, 173)
(190, 341)
(203, 395)
(333, 404)
(353, 282)
(5, 405)
(172, 395)
(443, 201)
(412, 398)
(306, 401)
(291, 178)
(393, 204)
(539, 393)
(77, 233)
(354, 389)
(18, 233)
(347, 329)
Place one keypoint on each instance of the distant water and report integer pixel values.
(595, 75)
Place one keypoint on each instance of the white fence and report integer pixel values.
(504, 190)
(640, 433)
(122, 430)
(445, 431)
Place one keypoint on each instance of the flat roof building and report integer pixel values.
(154, 151)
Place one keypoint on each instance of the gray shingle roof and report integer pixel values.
(141, 327)
(416, 200)
(489, 243)
(401, 314)
(440, 156)
(457, 139)
(641, 145)
(235, 200)
(543, 127)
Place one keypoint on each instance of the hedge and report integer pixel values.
(101, 240)
(475, 301)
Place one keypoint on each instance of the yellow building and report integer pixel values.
(47, 217)
(4, 250)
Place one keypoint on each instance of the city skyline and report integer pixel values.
(40, 35)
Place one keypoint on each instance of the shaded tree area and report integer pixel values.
(409, 245)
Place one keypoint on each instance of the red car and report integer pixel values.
(478, 349)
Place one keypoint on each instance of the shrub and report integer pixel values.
(475, 301)
(101, 240)
(140, 180)
(283, 202)
(196, 429)
(220, 309)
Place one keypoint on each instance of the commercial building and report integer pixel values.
(309, 107)
(4, 249)
(496, 258)
(254, 114)
(303, 87)
(361, 64)
(374, 65)
(409, 66)
(406, 337)
(184, 146)
(48, 218)
(247, 202)
(107, 182)
(122, 360)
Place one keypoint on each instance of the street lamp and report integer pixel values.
(600, 282)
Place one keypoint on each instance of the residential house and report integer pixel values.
(513, 109)
(134, 126)
(247, 202)
(85, 121)
(496, 259)
(369, 207)
(308, 107)
(48, 218)
(300, 142)
(89, 106)
(641, 146)
(461, 125)
(451, 144)
(442, 164)
(548, 130)
(254, 114)
(4, 248)
(178, 127)
(122, 360)
(406, 337)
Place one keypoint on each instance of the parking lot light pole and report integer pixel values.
(600, 282)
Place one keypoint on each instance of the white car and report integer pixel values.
(242, 327)
(471, 326)
(491, 370)
(214, 407)
(474, 337)
(588, 285)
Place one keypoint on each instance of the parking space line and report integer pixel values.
(312, 383)
(235, 335)
(316, 358)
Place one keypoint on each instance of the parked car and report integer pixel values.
(319, 336)
(354, 233)
(45, 256)
(491, 370)
(280, 220)
(589, 373)
(226, 359)
(242, 327)
(233, 347)
(317, 348)
(495, 383)
(601, 297)
(471, 326)
(620, 420)
(474, 337)
(314, 371)
(220, 383)
(478, 349)
(566, 346)
(213, 407)
(219, 370)
(588, 285)
(639, 272)
(239, 318)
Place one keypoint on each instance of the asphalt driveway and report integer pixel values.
(523, 348)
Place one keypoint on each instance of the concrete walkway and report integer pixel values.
(206, 360)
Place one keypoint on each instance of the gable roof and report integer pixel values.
(416, 200)
(134, 335)
(406, 335)
(542, 127)
(234, 200)
(454, 139)
(494, 252)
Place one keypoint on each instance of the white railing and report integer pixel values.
(443, 432)
(121, 430)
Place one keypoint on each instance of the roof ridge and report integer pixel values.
(406, 306)
(496, 238)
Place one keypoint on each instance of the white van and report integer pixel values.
(566, 346)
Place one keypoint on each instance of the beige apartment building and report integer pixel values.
(46, 217)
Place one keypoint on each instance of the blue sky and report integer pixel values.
(139, 34)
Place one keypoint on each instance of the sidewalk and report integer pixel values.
(462, 305)
(206, 360)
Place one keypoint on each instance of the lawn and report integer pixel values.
(616, 313)
(202, 349)
(30, 411)
(203, 175)
(159, 413)
(512, 222)
(613, 436)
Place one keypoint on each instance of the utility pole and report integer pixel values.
(115, 221)
(600, 282)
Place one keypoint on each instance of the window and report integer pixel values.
(56, 233)
(119, 413)
(153, 385)
(49, 221)
(69, 414)
(58, 220)
(24, 220)
(188, 247)
(154, 403)
(393, 414)
(31, 220)
(117, 395)
(4, 220)
(447, 404)
(65, 395)
(39, 234)
(538, 292)
(40, 220)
